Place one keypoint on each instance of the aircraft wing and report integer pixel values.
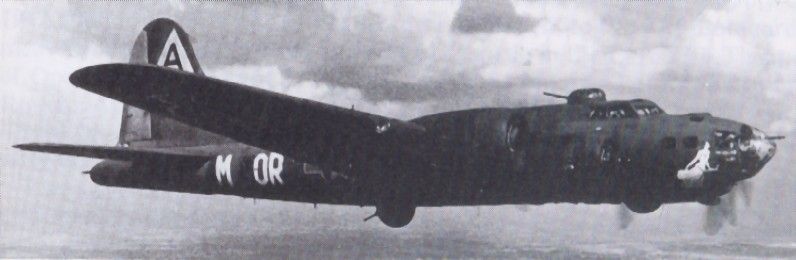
(111, 152)
(306, 130)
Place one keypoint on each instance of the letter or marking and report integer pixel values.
(173, 54)
(261, 173)
(267, 168)
(275, 167)
(224, 169)
(694, 171)
(172, 58)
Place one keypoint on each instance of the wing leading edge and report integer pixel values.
(110, 152)
(306, 130)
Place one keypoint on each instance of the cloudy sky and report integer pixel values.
(401, 59)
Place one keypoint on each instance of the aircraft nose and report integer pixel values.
(767, 151)
(759, 149)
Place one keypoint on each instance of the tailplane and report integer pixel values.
(163, 43)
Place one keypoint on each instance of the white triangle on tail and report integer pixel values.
(174, 55)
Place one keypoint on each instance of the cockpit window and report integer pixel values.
(598, 114)
(612, 112)
(630, 109)
(617, 113)
(620, 111)
(646, 109)
(655, 111)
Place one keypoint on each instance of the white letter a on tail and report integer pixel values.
(173, 54)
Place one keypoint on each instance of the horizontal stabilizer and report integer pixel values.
(110, 152)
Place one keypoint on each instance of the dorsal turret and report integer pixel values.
(582, 96)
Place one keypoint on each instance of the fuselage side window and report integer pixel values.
(516, 133)
(725, 140)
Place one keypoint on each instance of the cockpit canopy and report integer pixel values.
(645, 107)
(603, 109)
(625, 109)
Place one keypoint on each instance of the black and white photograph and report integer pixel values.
(391, 129)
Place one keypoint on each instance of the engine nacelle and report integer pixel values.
(155, 175)
(111, 173)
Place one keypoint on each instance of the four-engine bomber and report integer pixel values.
(185, 132)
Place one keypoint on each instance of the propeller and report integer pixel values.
(715, 216)
(726, 211)
(759, 147)
(625, 216)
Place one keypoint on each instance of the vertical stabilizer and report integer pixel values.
(163, 43)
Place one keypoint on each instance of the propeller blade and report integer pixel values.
(727, 209)
(745, 188)
(625, 216)
(713, 220)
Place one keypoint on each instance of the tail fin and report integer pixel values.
(163, 43)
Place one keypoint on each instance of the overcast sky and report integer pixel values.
(403, 59)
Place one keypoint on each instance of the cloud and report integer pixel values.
(270, 78)
(628, 18)
(388, 51)
(489, 17)
(407, 53)
(227, 33)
